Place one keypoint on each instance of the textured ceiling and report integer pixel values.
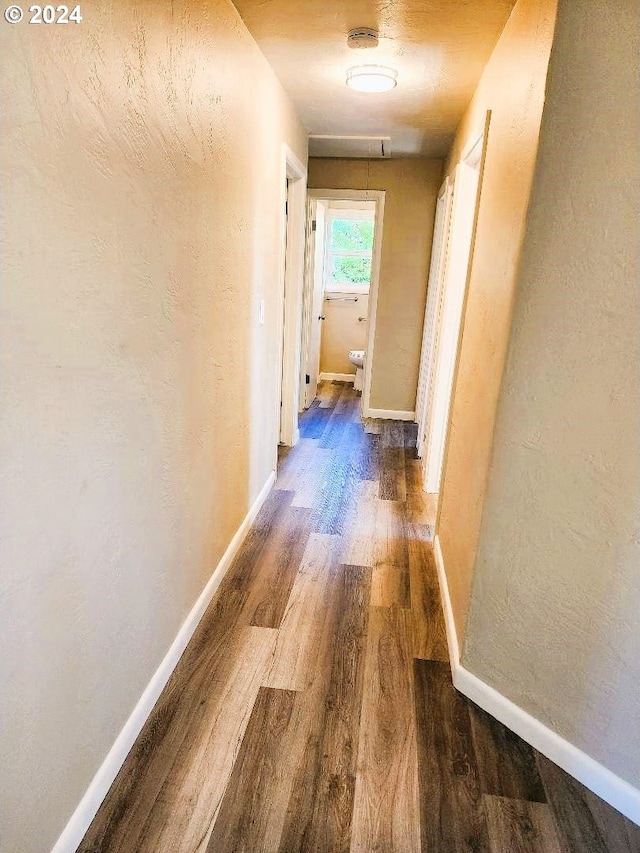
(439, 48)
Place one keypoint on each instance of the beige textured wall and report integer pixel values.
(341, 332)
(411, 190)
(554, 614)
(512, 87)
(141, 170)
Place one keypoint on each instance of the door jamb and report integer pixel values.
(308, 287)
(475, 152)
(290, 312)
(435, 288)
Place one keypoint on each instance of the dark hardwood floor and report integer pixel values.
(313, 709)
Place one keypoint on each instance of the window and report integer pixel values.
(349, 250)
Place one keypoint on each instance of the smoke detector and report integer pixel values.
(362, 37)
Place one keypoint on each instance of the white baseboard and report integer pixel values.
(81, 819)
(618, 793)
(450, 625)
(389, 415)
(337, 377)
(593, 775)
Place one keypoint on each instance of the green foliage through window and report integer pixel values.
(351, 235)
(350, 249)
(351, 270)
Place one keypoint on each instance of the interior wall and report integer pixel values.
(411, 187)
(342, 331)
(512, 87)
(141, 166)
(554, 613)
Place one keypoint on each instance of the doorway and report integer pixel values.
(433, 312)
(342, 267)
(293, 204)
(452, 255)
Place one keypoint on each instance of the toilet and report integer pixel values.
(356, 357)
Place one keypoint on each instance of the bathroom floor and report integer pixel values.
(313, 709)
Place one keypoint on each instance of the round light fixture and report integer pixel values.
(371, 78)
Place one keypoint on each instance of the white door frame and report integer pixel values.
(451, 320)
(432, 311)
(290, 301)
(378, 196)
(311, 300)
(307, 300)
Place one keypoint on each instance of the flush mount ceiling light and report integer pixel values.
(371, 78)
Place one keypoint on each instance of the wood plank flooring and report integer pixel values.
(313, 709)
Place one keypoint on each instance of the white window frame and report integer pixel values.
(346, 287)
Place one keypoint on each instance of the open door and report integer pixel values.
(286, 398)
(317, 214)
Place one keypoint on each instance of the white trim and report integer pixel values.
(80, 820)
(308, 391)
(379, 197)
(611, 788)
(593, 775)
(331, 286)
(477, 155)
(373, 301)
(433, 304)
(337, 377)
(290, 300)
(459, 263)
(452, 634)
(472, 154)
(356, 289)
(388, 414)
(337, 210)
(349, 204)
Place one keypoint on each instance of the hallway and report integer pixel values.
(220, 636)
(313, 709)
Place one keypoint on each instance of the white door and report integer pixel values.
(283, 324)
(316, 271)
(432, 311)
(455, 282)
